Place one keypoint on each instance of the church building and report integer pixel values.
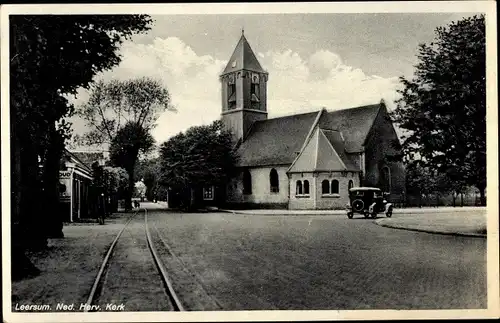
(308, 160)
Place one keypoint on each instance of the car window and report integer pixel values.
(358, 193)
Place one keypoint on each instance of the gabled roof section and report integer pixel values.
(275, 141)
(336, 139)
(320, 155)
(243, 58)
(354, 123)
(307, 159)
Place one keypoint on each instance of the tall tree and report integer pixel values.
(113, 104)
(203, 155)
(443, 107)
(51, 56)
(117, 111)
(128, 143)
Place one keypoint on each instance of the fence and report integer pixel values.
(465, 199)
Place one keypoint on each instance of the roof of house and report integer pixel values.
(278, 141)
(243, 57)
(88, 158)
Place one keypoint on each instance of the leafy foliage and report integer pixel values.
(122, 114)
(52, 56)
(55, 55)
(128, 143)
(113, 104)
(201, 155)
(443, 108)
(117, 179)
(149, 171)
(140, 189)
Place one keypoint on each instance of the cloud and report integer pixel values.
(295, 84)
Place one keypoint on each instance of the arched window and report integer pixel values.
(325, 187)
(335, 187)
(274, 181)
(350, 185)
(247, 182)
(386, 179)
(306, 187)
(298, 188)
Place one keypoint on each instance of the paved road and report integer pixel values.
(324, 262)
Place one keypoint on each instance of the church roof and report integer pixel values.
(354, 123)
(243, 58)
(278, 141)
(275, 141)
(336, 139)
(320, 155)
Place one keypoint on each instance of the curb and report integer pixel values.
(282, 214)
(343, 212)
(460, 234)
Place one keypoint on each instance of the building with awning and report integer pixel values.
(75, 179)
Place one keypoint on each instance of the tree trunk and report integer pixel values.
(482, 196)
(51, 185)
(32, 219)
(21, 266)
(130, 190)
(461, 199)
(454, 198)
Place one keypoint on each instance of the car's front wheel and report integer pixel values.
(389, 213)
(374, 215)
(350, 215)
(366, 214)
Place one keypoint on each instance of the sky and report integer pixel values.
(336, 61)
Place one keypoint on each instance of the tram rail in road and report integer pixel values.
(166, 281)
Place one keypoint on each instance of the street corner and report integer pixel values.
(475, 227)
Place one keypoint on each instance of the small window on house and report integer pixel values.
(350, 185)
(335, 187)
(208, 193)
(325, 187)
(247, 182)
(298, 188)
(306, 187)
(274, 181)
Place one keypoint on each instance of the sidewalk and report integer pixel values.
(69, 265)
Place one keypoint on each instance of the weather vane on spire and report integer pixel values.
(242, 30)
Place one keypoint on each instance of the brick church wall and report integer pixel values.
(335, 201)
(381, 144)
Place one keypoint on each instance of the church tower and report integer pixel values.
(244, 90)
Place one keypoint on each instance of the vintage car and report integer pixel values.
(368, 201)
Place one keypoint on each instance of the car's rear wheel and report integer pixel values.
(374, 215)
(350, 215)
(366, 214)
